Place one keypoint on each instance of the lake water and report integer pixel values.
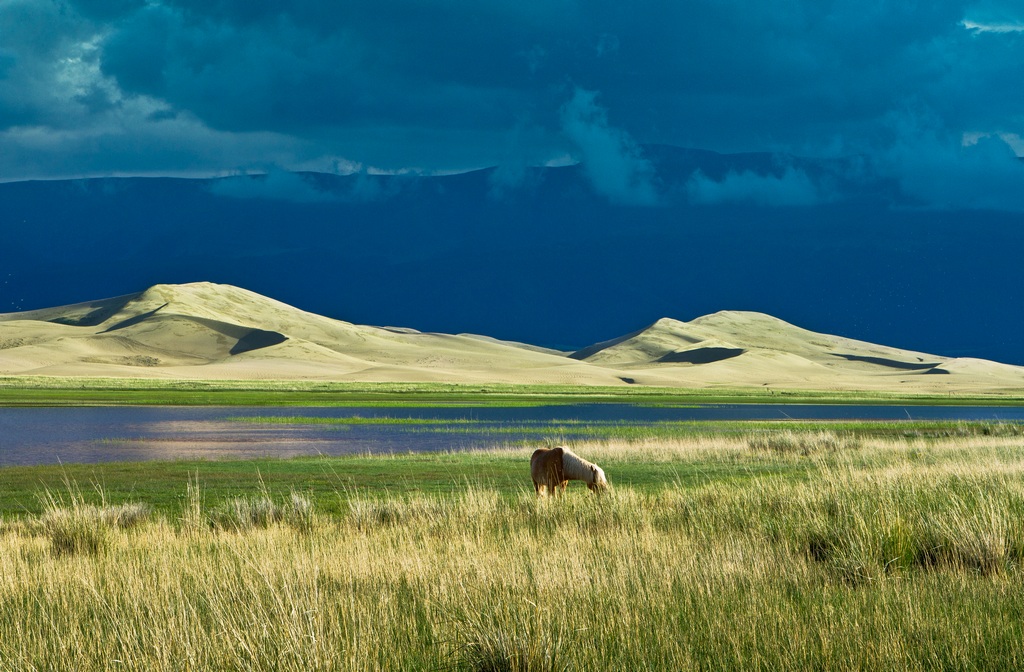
(134, 433)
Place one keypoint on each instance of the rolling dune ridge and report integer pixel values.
(220, 332)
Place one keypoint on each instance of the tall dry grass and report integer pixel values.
(888, 555)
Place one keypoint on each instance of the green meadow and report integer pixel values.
(52, 390)
(778, 545)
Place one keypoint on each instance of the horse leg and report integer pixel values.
(554, 478)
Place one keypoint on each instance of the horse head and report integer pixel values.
(598, 482)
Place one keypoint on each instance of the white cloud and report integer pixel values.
(611, 159)
(978, 27)
(793, 188)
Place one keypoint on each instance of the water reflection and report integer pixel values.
(108, 434)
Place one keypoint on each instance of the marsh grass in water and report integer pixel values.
(629, 430)
(345, 421)
(875, 553)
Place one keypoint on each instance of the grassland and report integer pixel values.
(782, 546)
(81, 391)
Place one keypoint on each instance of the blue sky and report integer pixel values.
(928, 92)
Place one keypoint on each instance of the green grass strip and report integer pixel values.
(71, 391)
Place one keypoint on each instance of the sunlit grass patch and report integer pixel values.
(884, 553)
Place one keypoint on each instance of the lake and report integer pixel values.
(136, 433)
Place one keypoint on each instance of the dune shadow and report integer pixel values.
(133, 320)
(100, 313)
(257, 339)
(701, 355)
(891, 363)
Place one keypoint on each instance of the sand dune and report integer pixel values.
(208, 331)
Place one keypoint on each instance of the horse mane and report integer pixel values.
(576, 468)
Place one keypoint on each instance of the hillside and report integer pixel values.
(754, 348)
(209, 331)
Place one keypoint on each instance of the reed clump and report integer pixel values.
(262, 510)
(74, 525)
(802, 443)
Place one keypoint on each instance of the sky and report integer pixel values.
(928, 92)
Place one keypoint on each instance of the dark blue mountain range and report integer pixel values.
(538, 255)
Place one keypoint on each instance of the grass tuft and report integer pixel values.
(262, 511)
(506, 640)
(76, 526)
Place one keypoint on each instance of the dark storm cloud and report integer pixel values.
(958, 172)
(243, 68)
(792, 188)
(442, 86)
(106, 10)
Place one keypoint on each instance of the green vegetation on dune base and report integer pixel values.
(782, 547)
(51, 391)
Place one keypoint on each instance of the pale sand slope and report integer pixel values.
(207, 331)
(733, 347)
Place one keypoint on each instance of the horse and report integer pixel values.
(553, 468)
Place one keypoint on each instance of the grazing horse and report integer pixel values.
(553, 468)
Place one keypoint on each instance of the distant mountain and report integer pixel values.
(542, 255)
(210, 331)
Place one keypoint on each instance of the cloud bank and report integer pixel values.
(98, 87)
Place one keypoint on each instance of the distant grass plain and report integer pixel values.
(728, 545)
(77, 391)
